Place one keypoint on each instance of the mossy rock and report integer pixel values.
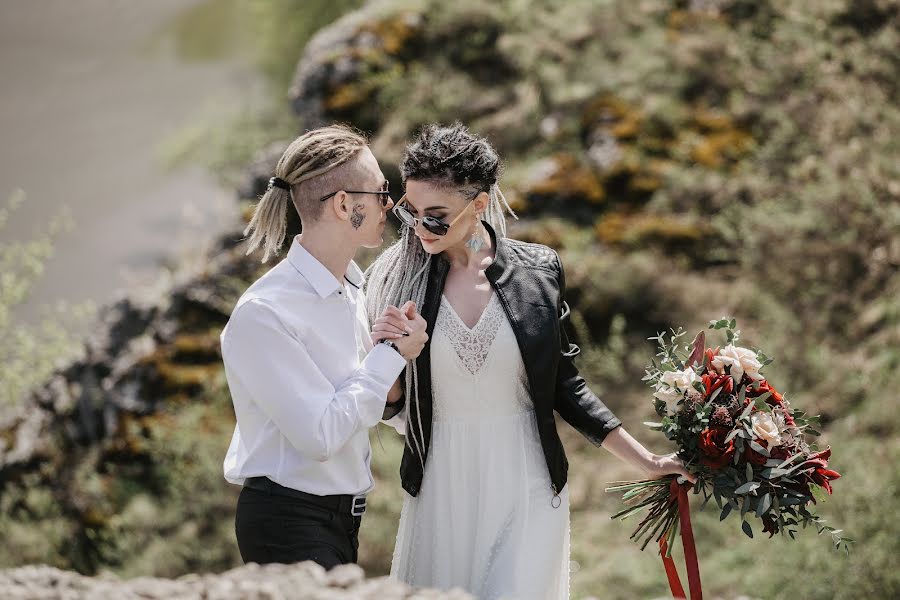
(196, 348)
(187, 364)
(681, 20)
(564, 184)
(640, 230)
(722, 148)
(613, 114)
(555, 232)
(345, 67)
(396, 34)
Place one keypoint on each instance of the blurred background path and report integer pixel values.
(91, 90)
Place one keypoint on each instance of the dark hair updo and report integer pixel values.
(451, 157)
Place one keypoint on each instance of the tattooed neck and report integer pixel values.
(357, 217)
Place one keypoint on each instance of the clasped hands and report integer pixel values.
(404, 326)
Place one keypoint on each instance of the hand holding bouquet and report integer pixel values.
(739, 435)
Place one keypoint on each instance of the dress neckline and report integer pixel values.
(480, 318)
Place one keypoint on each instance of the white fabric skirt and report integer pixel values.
(486, 519)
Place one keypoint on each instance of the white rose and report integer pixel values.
(764, 428)
(669, 396)
(673, 385)
(741, 361)
(683, 380)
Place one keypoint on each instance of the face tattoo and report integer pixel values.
(358, 216)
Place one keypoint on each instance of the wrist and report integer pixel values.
(391, 344)
(651, 463)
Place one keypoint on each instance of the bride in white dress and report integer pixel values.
(509, 536)
(487, 508)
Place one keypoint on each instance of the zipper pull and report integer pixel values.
(556, 501)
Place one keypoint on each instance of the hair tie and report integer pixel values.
(279, 183)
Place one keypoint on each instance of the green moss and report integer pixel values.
(640, 230)
(567, 181)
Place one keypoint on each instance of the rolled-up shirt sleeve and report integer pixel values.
(283, 381)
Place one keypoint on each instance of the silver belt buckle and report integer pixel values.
(359, 506)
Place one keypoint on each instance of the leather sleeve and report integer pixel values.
(575, 402)
(392, 410)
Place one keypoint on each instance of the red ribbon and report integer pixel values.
(678, 493)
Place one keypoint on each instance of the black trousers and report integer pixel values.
(272, 528)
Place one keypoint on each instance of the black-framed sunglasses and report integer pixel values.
(383, 195)
(431, 224)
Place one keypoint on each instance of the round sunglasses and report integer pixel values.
(431, 224)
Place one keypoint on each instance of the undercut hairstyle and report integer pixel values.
(449, 158)
(317, 163)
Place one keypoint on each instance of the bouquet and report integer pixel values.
(739, 435)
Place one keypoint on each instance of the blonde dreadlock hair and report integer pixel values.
(314, 163)
(453, 159)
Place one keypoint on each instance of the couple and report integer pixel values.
(458, 342)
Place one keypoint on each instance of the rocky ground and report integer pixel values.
(307, 580)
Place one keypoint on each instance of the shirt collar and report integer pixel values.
(318, 276)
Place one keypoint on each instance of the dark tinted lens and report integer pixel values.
(435, 226)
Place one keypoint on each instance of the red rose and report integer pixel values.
(820, 457)
(754, 457)
(823, 476)
(715, 453)
(710, 354)
(713, 381)
(775, 399)
(779, 452)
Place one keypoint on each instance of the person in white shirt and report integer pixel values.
(307, 377)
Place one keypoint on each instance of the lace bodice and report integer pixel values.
(477, 372)
(471, 345)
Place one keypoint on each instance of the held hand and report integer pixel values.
(411, 346)
(669, 464)
(391, 325)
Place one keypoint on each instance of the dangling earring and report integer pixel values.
(475, 242)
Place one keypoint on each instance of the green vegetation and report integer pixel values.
(272, 35)
(29, 354)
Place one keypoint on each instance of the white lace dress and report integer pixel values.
(484, 519)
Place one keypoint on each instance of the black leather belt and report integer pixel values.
(339, 503)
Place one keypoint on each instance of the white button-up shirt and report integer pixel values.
(305, 380)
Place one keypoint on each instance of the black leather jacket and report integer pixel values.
(530, 285)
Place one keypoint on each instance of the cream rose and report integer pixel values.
(740, 360)
(682, 380)
(673, 385)
(668, 395)
(765, 428)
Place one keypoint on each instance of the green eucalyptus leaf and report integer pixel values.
(764, 504)
(758, 448)
(748, 487)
